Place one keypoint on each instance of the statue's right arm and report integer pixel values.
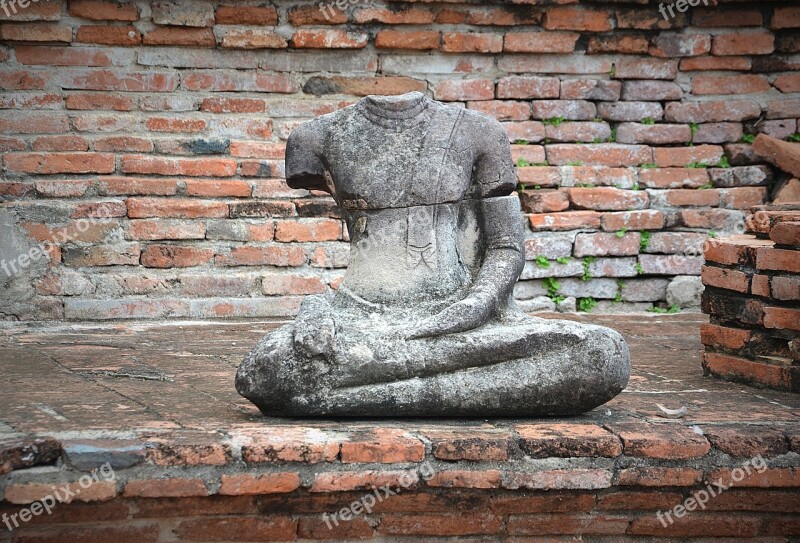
(305, 166)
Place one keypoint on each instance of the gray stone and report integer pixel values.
(685, 291)
(197, 13)
(424, 322)
(644, 290)
(568, 305)
(742, 176)
(542, 303)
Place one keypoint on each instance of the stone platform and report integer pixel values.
(192, 461)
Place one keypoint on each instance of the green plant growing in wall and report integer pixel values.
(575, 163)
(587, 264)
(649, 166)
(648, 121)
(552, 286)
(794, 137)
(724, 162)
(554, 121)
(563, 260)
(621, 233)
(644, 243)
(620, 286)
(542, 262)
(586, 305)
(613, 137)
(665, 311)
(639, 269)
(748, 138)
(522, 163)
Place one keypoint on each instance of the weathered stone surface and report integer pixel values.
(685, 291)
(424, 322)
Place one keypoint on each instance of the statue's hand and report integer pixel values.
(467, 314)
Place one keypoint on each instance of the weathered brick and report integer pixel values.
(743, 43)
(649, 219)
(747, 371)
(265, 483)
(246, 15)
(618, 43)
(659, 134)
(659, 477)
(660, 441)
(271, 255)
(726, 279)
(589, 89)
(631, 111)
(328, 39)
(572, 110)
(673, 178)
(36, 32)
(786, 17)
(614, 155)
(608, 199)
(710, 112)
(577, 18)
(540, 42)
(252, 38)
(781, 260)
(268, 527)
(606, 244)
(680, 45)
(633, 68)
(109, 35)
(471, 42)
(670, 264)
(407, 39)
(528, 87)
(199, 167)
(464, 89)
(567, 440)
(677, 157)
(570, 220)
(737, 84)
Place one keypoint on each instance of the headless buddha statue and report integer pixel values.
(423, 323)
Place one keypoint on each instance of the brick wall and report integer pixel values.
(168, 119)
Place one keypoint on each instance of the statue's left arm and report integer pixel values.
(494, 181)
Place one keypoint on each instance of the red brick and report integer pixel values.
(490, 478)
(407, 39)
(638, 500)
(726, 279)
(613, 155)
(123, 143)
(567, 441)
(586, 524)
(265, 483)
(36, 32)
(34, 123)
(743, 370)
(693, 197)
(193, 167)
(93, 101)
(760, 286)
(139, 533)
(543, 201)
(218, 188)
(503, 110)
(179, 208)
(743, 43)
(62, 188)
(680, 157)
(159, 229)
(606, 244)
(252, 38)
(60, 143)
(239, 81)
(550, 502)
(697, 524)
(174, 256)
(782, 260)
(177, 35)
(607, 199)
(540, 42)
(712, 111)
(660, 441)
(736, 84)
(50, 163)
(471, 42)
(410, 16)
(161, 124)
(618, 43)
(648, 20)
(273, 255)
(528, 87)
(786, 233)
(782, 318)
(111, 81)
(657, 134)
(476, 446)
(747, 441)
(643, 68)
(464, 89)
(680, 45)
(328, 39)
(312, 15)
(263, 528)
(312, 230)
(786, 17)
(710, 64)
(339, 481)
(633, 220)
(383, 445)
(570, 220)
(769, 478)
(21, 80)
(103, 10)
(109, 35)
(722, 18)
(650, 476)
(277, 285)
(439, 525)
(721, 336)
(341, 530)
(246, 15)
(576, 18)
(24, 493)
